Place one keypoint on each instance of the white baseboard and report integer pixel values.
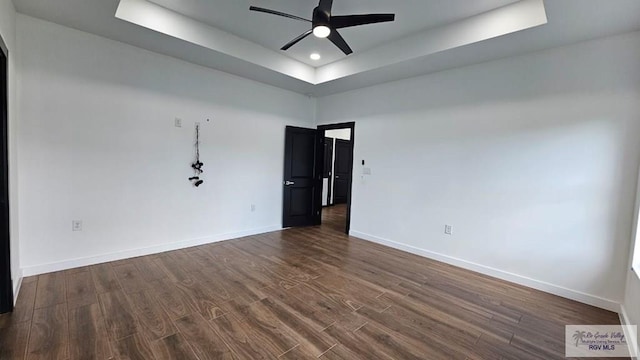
(92, 260)
(17, 283)
(597, 301)
(632, 339)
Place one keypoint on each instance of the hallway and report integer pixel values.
(335, 217)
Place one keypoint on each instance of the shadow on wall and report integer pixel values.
(519, 78)
(89, 58)
(534, 158)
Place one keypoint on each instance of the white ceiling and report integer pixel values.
(427, 36)
(272, 32)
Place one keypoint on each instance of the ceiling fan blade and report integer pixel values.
(273, 12)
(296, 40)
(338, 41)
(339, 22)
(325, 6)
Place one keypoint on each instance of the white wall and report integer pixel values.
(343, 134)
(8, 33)
(98, 143)
(630, 307)
(533, 160)
(631, 304)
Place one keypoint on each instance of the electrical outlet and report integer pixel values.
(253, 207)
(178, 122)
(76, 225)
(447, 229)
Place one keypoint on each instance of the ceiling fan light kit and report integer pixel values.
(325, 25)
(321, 31)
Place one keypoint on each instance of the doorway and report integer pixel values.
(318, 167)
(338, 144)
(6, 287)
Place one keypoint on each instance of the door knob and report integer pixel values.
(287, 183)
(337, 177)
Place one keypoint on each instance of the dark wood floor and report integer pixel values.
(295, 294)
(335, 217)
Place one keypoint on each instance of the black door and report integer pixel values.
(342, 171)
(327, 171)
(6, 291)
(301, 196)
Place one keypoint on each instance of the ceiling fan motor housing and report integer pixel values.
(320, 18)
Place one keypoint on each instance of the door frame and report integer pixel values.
(6, 283)
(320, 160)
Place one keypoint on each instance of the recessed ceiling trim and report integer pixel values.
(502, 21)
(169, 22)
(511, 18)
(570, 21)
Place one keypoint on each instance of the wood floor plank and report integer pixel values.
(172, 347)
(130, 278)
(337, 294)
(206, 344)
(148, 269)
(13, 339)
(23, 310)
(362, 292)
(200, 297)
(443, 338)
(172, 268)
(340, 352)
(297, 353)
(152, 320)
(51, 290)
(88, 337)
(311, 341)
(181, 257)
(201, 257)
(81, 290)
(241, 340)
(398, 348)
(119, 316)
(104, 278)
(172, 300)
(273, 334)
(319, 320)
(356, 344)
(29, 279)
(133, 347)
(490, 348)
(49, 336)
(328, 306)
(228, 285)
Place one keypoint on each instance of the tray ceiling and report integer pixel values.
(427, 36)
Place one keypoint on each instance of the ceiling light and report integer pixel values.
(321, 31)
(315, 56)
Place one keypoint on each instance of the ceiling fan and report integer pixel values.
(324, 25)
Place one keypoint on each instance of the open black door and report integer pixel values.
(6, 287)
(342, 171)
(327, 170)
(302, 196)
